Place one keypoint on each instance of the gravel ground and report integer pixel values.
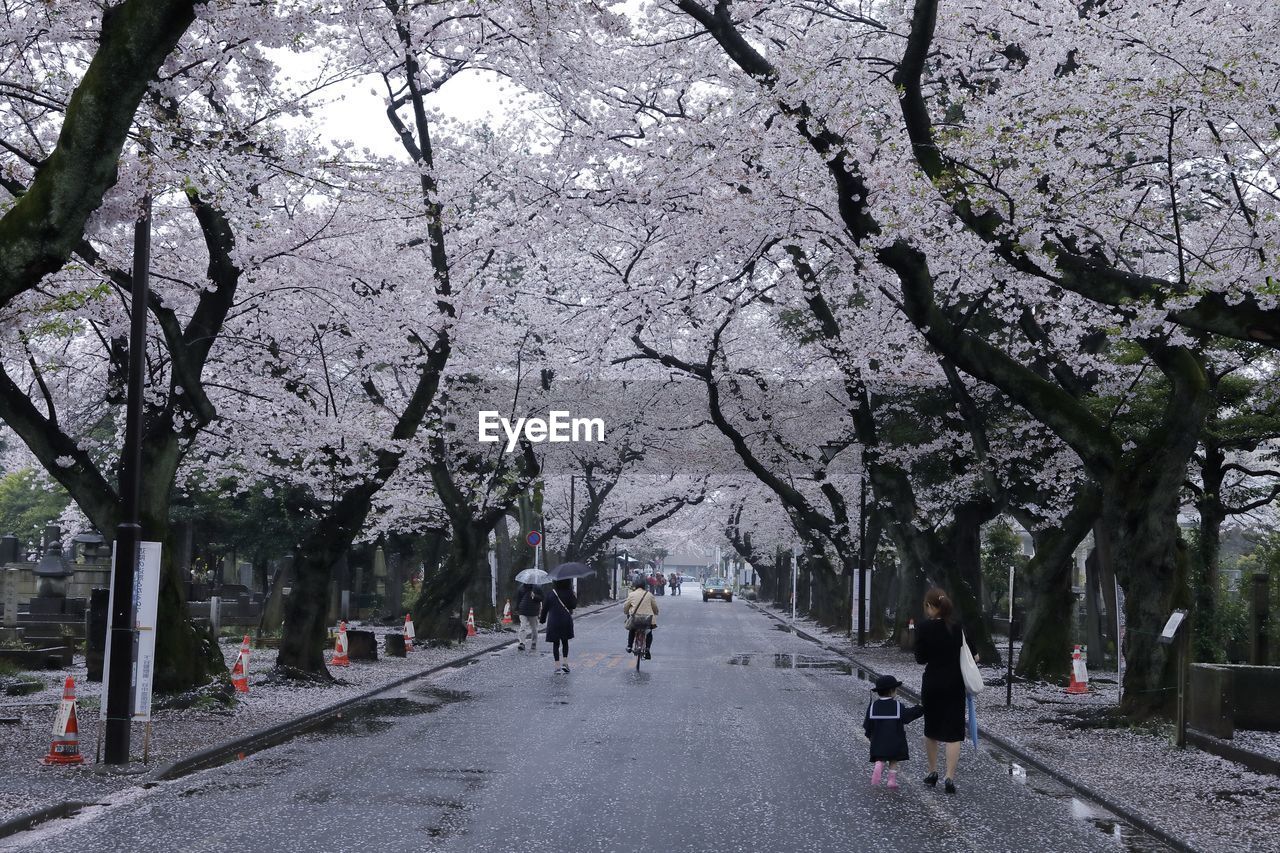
(27, 785)
(1210, 802)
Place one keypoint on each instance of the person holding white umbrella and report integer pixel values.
(528, 606)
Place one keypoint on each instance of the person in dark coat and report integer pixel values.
(942, 686)
(528, 609)
(557, 613)
(885, 726)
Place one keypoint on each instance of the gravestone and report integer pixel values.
(11, 597)
(1212, 699)
(394, 645)
(95, 644)
(1260, 617)
(362, 645)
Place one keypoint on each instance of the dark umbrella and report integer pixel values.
(565, 571)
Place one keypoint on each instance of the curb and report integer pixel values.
(23, 822)
(1020, 753)
(259, 740)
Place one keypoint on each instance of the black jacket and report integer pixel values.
(528, 601)
(557, 613)
(885, 725)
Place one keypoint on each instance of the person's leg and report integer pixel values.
(565, 643)
(555, 654)
(893, 774)
(648, 648)
(876, 773)
(931, 754)
(631, 638)
(953, 758)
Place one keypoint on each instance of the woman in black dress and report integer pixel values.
(942, 686)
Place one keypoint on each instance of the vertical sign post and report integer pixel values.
(795, 578)
(1177, 633)
(1008, 676)
(141, 661)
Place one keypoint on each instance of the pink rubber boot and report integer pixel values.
(875, 774)
(893, 779)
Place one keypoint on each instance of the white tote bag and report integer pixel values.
(969, 669)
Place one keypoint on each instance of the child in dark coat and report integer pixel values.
(885, 726)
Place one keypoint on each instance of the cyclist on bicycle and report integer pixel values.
(641, 605)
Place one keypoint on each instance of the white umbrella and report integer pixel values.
(533, 576)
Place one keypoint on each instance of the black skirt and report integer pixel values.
(943, 710)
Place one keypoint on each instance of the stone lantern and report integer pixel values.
(87, 548)
(52, 570)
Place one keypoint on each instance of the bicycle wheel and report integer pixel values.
(641, 643)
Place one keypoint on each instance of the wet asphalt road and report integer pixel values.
(734, 738)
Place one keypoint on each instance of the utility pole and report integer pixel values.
(129, 530)
(569, 551)
(862, 551)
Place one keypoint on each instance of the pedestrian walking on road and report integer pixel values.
(640, 603)
(528, 608)
(885, 726)
(661, 584)
(557, 613)
(942, 686)
(673, 581)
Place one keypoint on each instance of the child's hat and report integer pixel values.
(885, 683)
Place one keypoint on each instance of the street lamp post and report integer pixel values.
(129, 530)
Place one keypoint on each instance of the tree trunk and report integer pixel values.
(1209, 640)
(186, 657)
(883, 594)
(305, 626)
(1154, 574)
(962, 577)
(1046, 643)
(441, 595)
(911, 587)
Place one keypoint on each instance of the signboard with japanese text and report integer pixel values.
(146, 605)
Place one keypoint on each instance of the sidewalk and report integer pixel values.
(1205, 802)
(28, 786)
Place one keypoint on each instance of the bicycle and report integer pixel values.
(640, 644)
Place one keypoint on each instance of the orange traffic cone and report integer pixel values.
(65, 746)
(408, 634)
(471, 622)
(1079, 682)
(240, 672)
(506, 613)
(340, 647)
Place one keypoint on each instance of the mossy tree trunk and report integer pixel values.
(1046, 636)
(442, 592)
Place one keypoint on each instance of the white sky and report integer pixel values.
(357, 111)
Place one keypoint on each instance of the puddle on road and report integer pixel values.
(1126, 837)
(438, 697)
(374, 716)
(794, 661)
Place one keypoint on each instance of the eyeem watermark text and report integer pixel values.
(558, 427)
